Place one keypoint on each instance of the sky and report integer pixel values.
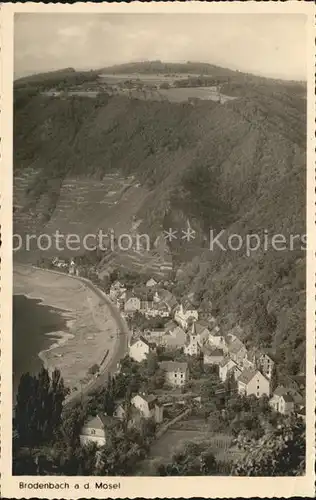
(264, 44)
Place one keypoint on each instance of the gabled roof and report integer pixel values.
(287, 398)
(144, 340)
(188, 306)
(170, 325)
(235, 346)
(247, 375)
(280, 390)
(198, 329)
(150, 399)
(172, 366)
(213, 352)
(225, 361)
(168, 297)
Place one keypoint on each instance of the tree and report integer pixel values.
(38, 409)
(278, 453)
(109, 397)
(193, 459)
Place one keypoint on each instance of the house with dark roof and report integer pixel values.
(286, 406)
(201, 331)
(140, 348)
(237, 351)
(251, 381)
(212, 355)
(95, 429)
(256, 358)
(176, 373)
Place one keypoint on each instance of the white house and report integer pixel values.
(140, 348)
(282, 402)
(151, 283)
(177, 373)
(132, 304)
(94, 430)
(251, 381)
(149, 407)
(120, 411)
(225, 367)
(185, 313)
(217, 340)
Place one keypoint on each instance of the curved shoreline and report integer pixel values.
(91, 327)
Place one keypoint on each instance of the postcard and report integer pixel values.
(158, 250)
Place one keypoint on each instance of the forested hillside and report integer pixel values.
(238, 166)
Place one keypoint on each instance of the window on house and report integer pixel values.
(92, 431)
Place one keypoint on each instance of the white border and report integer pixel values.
(152, 487)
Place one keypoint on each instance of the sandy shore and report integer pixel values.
(90, 331)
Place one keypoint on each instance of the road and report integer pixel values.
(120, 348)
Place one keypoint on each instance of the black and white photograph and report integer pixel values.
(159, 242)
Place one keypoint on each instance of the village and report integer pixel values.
(177, 339)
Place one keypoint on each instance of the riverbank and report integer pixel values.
(90, 330)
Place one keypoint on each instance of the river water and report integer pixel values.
(34, 325)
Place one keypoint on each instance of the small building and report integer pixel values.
(72, 268)
(149, 406)
(94, 430)
(167, 297)
(120, 300)
(251, 381)
(226, 367)
(216, 339)
(212, 356)
(120, 411)
(185, 313)
(282, 402)
(175, 338)
(177, 373)
(140, 348)
(192, 346)
(266, 364)
(255, 358)
(151, 283)
(116, 289)
(201, 331)
(132, 304)
(237, 351)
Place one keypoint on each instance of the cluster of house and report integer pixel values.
(252, 369)
(69, 266)
(160, 304)
(142, 406)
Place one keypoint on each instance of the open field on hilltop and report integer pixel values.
(91, 328)
(145, 78)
